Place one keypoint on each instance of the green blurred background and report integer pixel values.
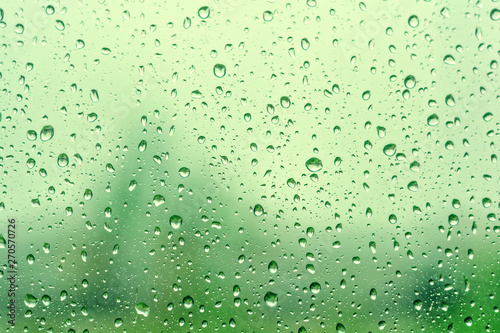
(397, 231)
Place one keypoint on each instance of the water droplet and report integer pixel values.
(285, 102)
(390, 149)
(304, 43)
(373, 294)
(88, 194)
(448, 59)
(311, 3)
(187, 23)
(413, 21)
(340, 328)
(31, 259)
(60, 25)
(413, 186)
(118, 322)
(142, 145)
(31, 135)
(495, 14)
(418, 305)
(63, 160)
(468, 321)
(184, 172)
(219, 70)
(315, 287)
(410, 82)
(453, 220)
(258, 210)
(94, 96)
(159, 200)
(271, 299)
(273, 267)
(196, 94)
(268, 16)
(175, 221)
(19, 28)
(46, 133)
(204, 12)
(188, 302)
(449, 100)
(49, 10)
(433, 120)
(142, 309)
(366, 95)
(30, 301)
(314, 164)
(393, 219)
(80, 44)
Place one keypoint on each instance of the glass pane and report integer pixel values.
(249, 166)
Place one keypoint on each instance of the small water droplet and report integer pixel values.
(31, 135)
(184, 172)
(258, 210)
(30, 301)
(271, 299)
(80, 44)
(142, 309)
(453, 219)
(314, 164)
(142, 145)
(413, 21)
(204, 12)
(188, 302)
(268, 16)
(63, 160)
(219, 70)
(285, 102)
(175, 221)
(46, 133)
(495, 14)
(94, 96)
(366, 95)
(273, 267)
(433, 120)
(410, 82)
(390, 149)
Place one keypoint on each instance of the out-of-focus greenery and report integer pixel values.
(135, 91)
